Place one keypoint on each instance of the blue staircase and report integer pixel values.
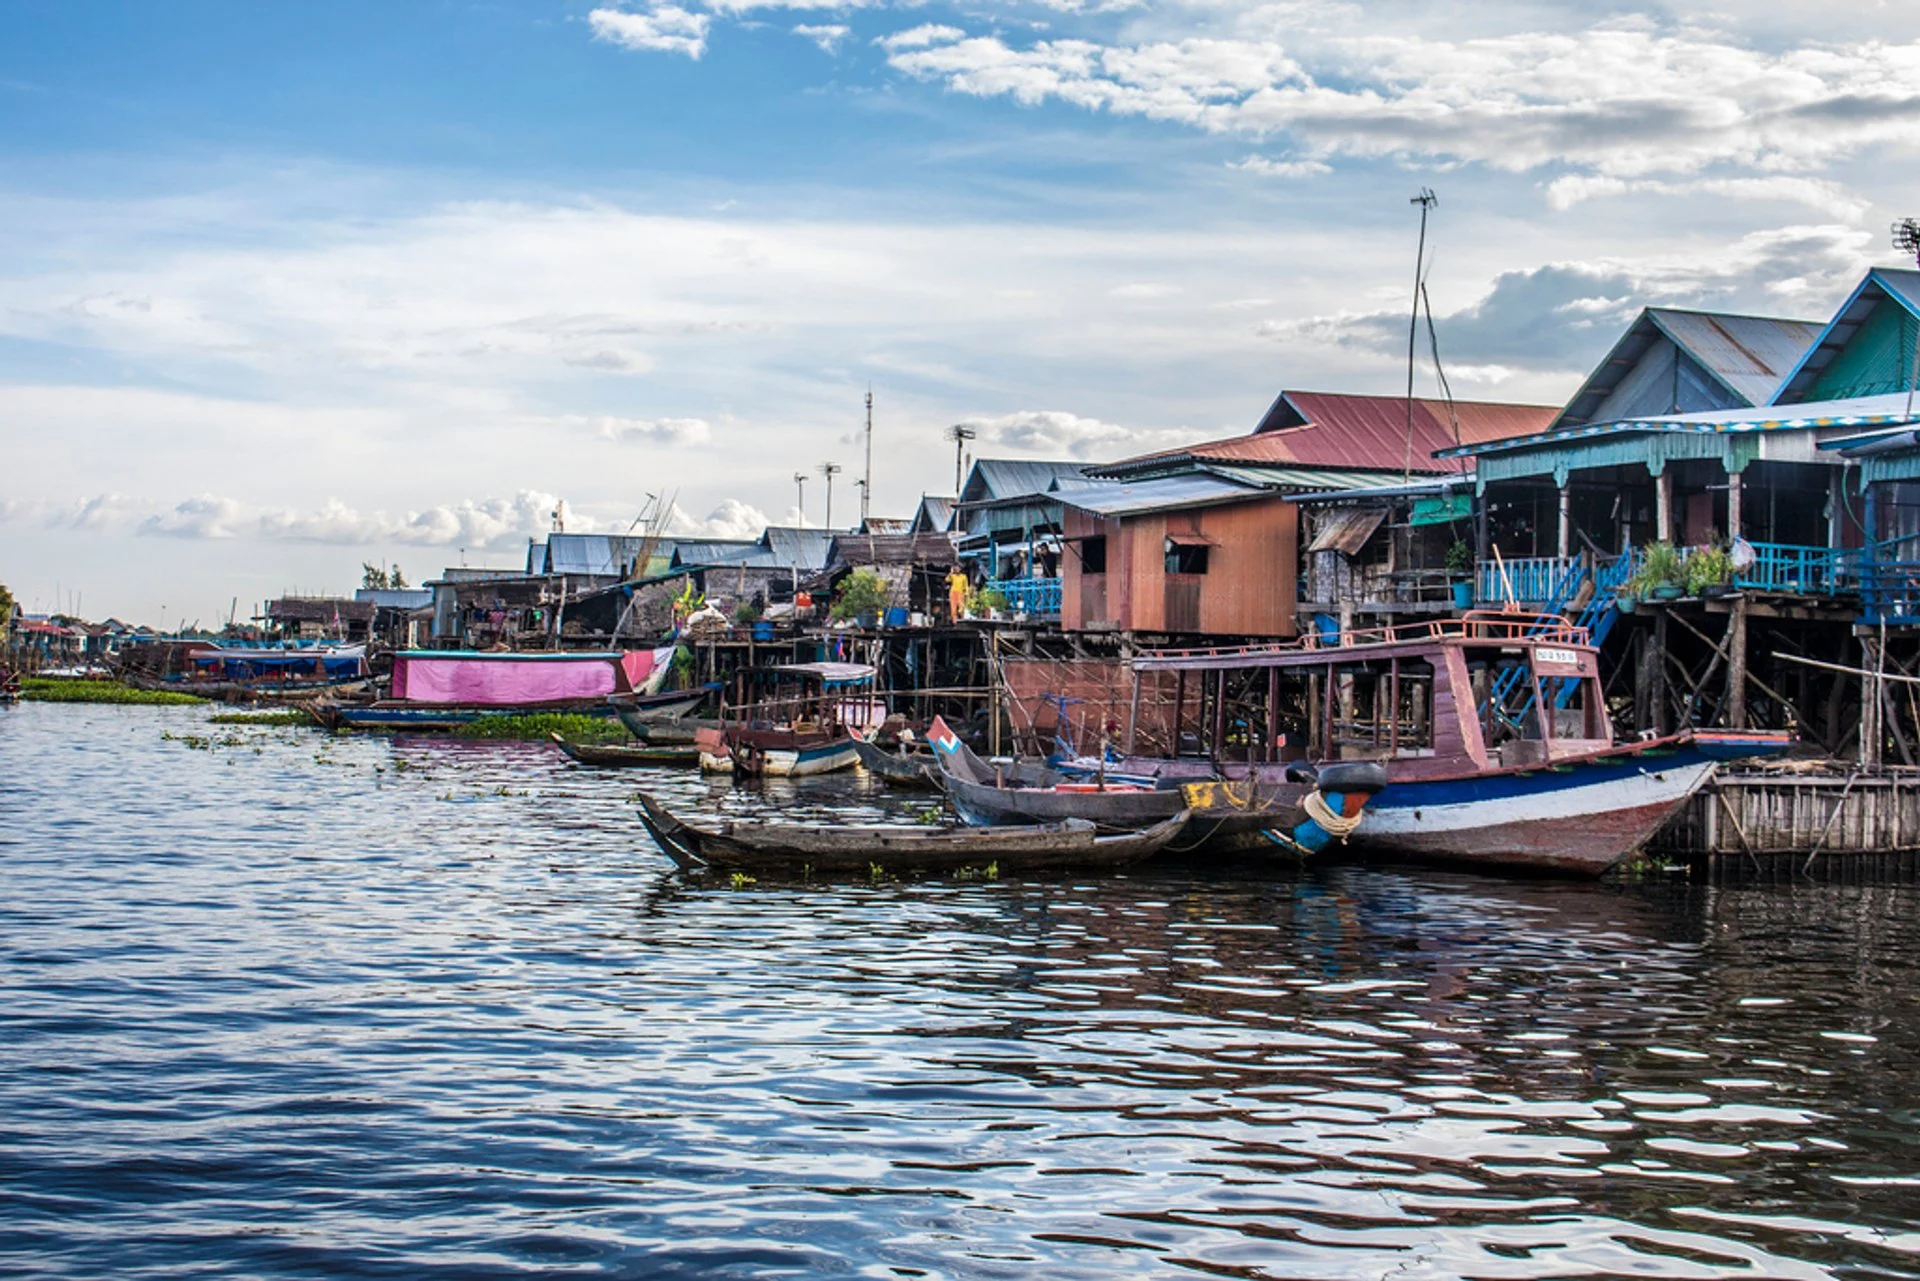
(1598, 616)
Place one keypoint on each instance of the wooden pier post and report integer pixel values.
(1737, 650)
(1565, 541)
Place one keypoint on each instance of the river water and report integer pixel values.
(274, 1004)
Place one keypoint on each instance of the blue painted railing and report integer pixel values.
(1792, 569)
(1537, 581)
(1889, 591)
(1034, 597)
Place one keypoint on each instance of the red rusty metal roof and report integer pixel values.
(1331, 429)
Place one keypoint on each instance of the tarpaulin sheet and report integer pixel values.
(502, 682)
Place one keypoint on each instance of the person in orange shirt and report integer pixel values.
(957, 595)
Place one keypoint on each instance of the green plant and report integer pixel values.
(1660, 566)
(535, 727)
(861, 592)
(1459, 558)
(747, 612)
(740, 880)
(1707, 568)
(35, 689)
(985, 598)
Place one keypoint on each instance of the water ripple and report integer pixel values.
(284, 1005)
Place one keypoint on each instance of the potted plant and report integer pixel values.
(986, 601)
(1662, 573)
(863, 595)
(1459, 564)
(1709, 571)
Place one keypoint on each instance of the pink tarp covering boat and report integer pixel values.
(511, 680)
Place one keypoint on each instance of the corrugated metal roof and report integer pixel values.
(1861, 411)
(993, 478)
(395, 598)
(798, 548)
(1327, 429)
(1900, 285)
(935, 516)
(593, 555)
(891, 549)
(1289, 479)
(885, 525)
(1126, 498)
(710, 551)
(536, 557)
(1347, 532)
(1750, 354)
(1428, 488)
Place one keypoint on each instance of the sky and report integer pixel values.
(287, 288)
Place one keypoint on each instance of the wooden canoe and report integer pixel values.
(901, 769)
(988, 796)
(612, 755)
(640, 712)
(801, 849)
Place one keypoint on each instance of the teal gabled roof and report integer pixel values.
(1867, 349)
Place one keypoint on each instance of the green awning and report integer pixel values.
(1443, 510)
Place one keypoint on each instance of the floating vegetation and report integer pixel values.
(536, 727)
(261, 718)
(42, 689)
(740, 880)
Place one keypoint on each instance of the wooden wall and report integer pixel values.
(1249, 589)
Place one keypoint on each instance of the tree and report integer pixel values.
(6, 611)
(397, 580)
(372, 576)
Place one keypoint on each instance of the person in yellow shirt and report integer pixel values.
(957, 594)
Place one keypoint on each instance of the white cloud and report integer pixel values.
(1051, 433)
(1830, 198)
(921, 36)
(649, 431)
(1623, 99)
(1281, 168)
(828, 37)
(731, 519)
(664, 28)
(203, 516)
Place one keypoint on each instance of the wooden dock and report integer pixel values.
(1836, 811)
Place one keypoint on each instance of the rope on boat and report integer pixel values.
(1338, 826)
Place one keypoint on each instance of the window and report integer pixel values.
(1093, 555)
(1186, 558)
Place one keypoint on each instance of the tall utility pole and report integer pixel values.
(830, 470)
(959, 434)
(1426, 200)
(800, 483)
(866, 485)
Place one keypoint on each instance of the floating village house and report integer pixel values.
(1006, 527)
(1563, 518)
(1204, 542)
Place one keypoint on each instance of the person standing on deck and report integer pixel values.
(957, 594)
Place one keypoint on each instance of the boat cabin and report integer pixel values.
(1489, 690)
(804, 697)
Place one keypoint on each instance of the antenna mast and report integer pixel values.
(1426, 200)
(866, 486)
(959, 434)
(829, 470)
(1906, 238)
(800, 484)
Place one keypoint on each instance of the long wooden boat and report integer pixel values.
(913, 770)
(617, 755)
(799, 849)
(793, 720)
(1492, 729)
(1301, 811)
(643, 713)
(681, 732)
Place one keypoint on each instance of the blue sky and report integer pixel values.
(288, 287)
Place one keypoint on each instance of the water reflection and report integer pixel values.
(283, 1004)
